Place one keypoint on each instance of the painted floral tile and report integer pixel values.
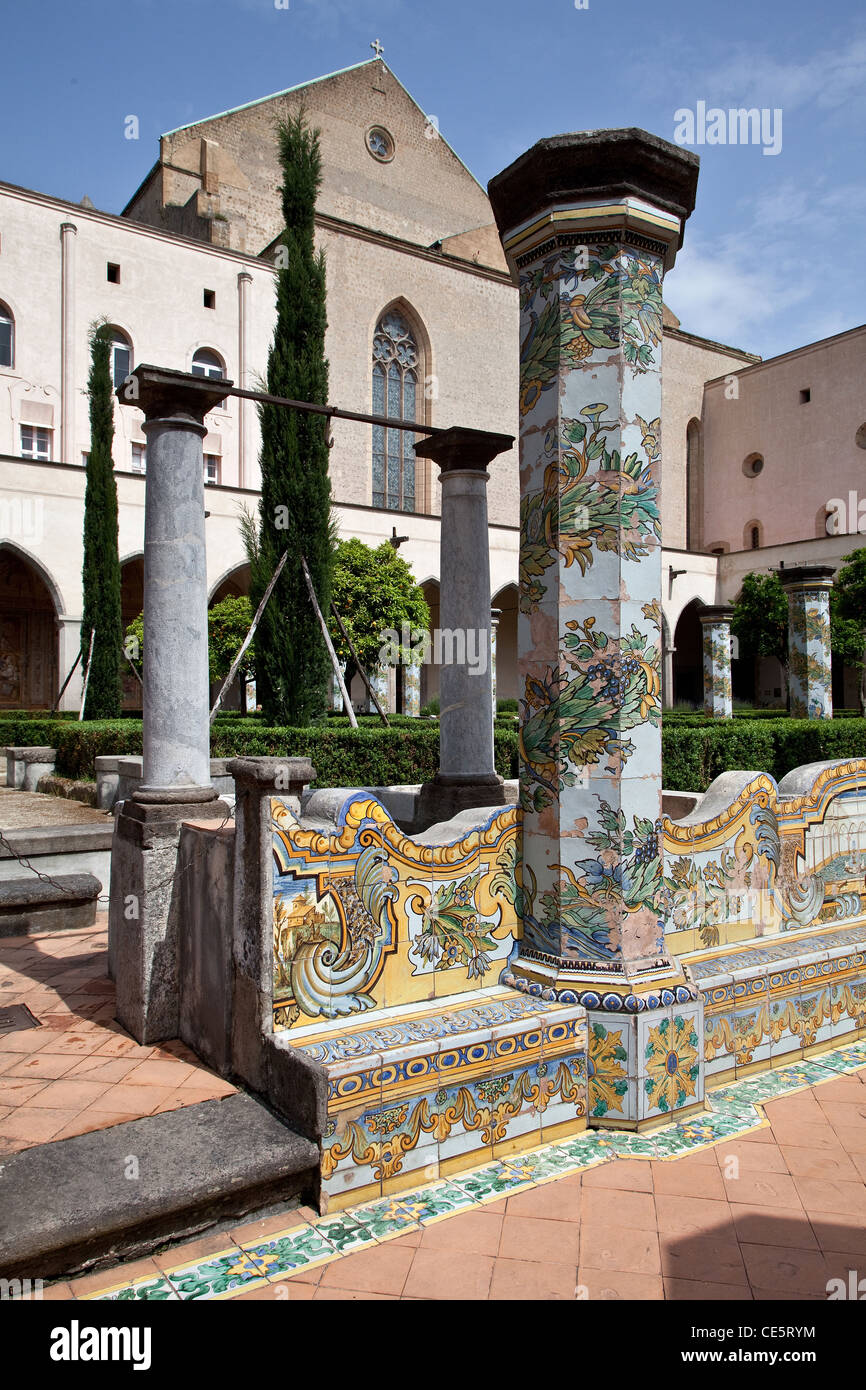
(303, 1246)
(149, 1290)
(218, 1276)
(494, 1180)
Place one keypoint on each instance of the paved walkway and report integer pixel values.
(775, 1208)
(24, 810)
(80, 1070)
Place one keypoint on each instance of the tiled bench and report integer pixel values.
(780, 996)
(421, 1091)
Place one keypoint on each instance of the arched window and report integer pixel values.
(395, 394)
(693, 484)
(7, 337)
(753, 537)
(121, 356)
(207, 363)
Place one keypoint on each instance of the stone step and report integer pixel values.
(78, 1202)
(30, 905)
(441, 1086)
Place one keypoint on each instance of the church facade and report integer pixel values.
(422, 324)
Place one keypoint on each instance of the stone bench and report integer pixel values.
(29, 905)
(117, 777)
(25, 766)
(420, 1092)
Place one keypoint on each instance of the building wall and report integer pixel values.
(809, 450)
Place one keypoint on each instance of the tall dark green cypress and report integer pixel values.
(292, 664)
(100, 572)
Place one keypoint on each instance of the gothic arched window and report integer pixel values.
(395, 394)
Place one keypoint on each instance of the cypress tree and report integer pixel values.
(292, 665)
(100, 573)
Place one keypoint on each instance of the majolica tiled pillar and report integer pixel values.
(495, 615)
(466, 776)
(589, 223)
(809, 660)
(412, 689)
(716, 632)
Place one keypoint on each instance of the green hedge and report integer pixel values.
(371, 755)
(693, 757)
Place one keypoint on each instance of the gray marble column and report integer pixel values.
(466, 776)
(176, 737)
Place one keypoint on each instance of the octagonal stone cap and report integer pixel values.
(598, 166)
(807, 576)
(458, 447)
(163, 393)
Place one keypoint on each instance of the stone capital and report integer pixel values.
(716, 613)
(168, 395)
(457, 449)
(570, 188)
(806, 576)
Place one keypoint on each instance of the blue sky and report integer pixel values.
(773, 256)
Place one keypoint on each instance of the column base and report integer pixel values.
(174, 796)
(446, 796)
(144, 913)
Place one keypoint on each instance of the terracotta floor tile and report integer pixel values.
(151, 1073)
(758, 1225)
(132, 1100)
(625, 1175)
(323, 1294)
(820, 1135)
(840, 1233)
(436, 1274)
(381, 1269)
(762, 1135)
(704, 1258)
(833, 1195)
(119, 1044)
(410, 1239)
(751, 1158)
(820, 1163)
(800, 1106)
(57, 1292)
(696, 1290)
(74, 1040)
(699, 1216)
(34, 1126)
(556, 1200)
(533, 1280)
(538, 1238)
(621, 1248)
(15, 1091)
(846, 1114)
(843, 1088)
(784, 1270)
(859, 1162)
(287, 1291)
(683, 1178)
(623, 1208)
(610, 1284)
(69, 1094)
(851, 1137)
(475, 1232)
(46, 1064)
(99, 1068)
(25, 1040)
(194, 1095)
(85, 1123)
(764, 1189)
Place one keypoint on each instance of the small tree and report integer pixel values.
(228, 623)
(760, 621)
(100, 572)
(293, 668)
(848, 616)
(373, 590)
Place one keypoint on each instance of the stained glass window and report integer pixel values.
(395, 395)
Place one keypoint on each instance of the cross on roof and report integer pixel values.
(377, 47)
